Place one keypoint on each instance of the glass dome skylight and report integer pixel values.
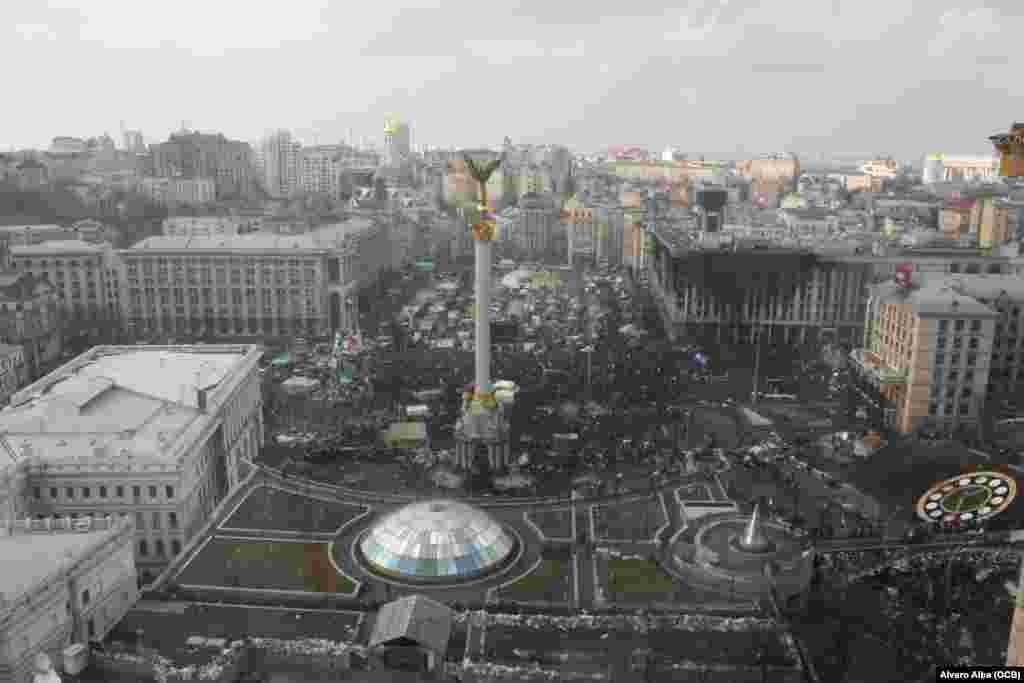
(436, 540)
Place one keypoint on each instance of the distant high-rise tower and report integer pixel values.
(397, 140)
(280, 160)
(133, 141)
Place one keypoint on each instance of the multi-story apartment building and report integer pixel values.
(397, 141)
(254, 285)
(133, 141)
(155, 435)
(191, 155)
(64, 582)
(1010, 148)
(280, 162)
(939, 347)
(539, 234)
(578, 221)
(827, 286)
(609, 226)
(87, 278)
(29, 315)
(955, 220)
(770, 175)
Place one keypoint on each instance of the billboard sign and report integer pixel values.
(904, 271)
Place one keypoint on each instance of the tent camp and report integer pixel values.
(408, 435)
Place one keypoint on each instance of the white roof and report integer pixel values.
(55, 246)
(325, 237)
(130, 402)
(20, 228)
(28, 558)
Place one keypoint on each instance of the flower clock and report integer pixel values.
(967, 498)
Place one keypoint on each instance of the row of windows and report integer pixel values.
(267, 277)
(948, 408)
(206, 294)
(954, 359)
(159, 549)
(959, 325)
(953, 375)
(958, 342)
(157, 520)
(966, 268)
(103, 492)
(251, 325)
(60, 263)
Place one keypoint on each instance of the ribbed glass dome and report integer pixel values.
(436, 540)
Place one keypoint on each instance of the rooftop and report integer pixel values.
(56, 247)
(988, 287)
(324, 237)
(27, 558)
(41, 226)
(934, 298)
(414, 617)
(135, 402)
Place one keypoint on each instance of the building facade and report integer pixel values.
(210, 226)
(255, 285)
(322, 172)
(13, 371)
(1010, 150)
(280, 163)
(84, 588)
(87, 279)
(23, 235)
(170, 191)
(154, 435)
(828, 302)
(539, 234)
(194, 155)
(939, 348)
(771, 175)
(30, 315)
(969, 168)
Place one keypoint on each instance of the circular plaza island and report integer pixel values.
(436, 542)
(744, 557)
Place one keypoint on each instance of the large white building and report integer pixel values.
(88, 282)
(62, 582)
(155, 435)
(257, 285)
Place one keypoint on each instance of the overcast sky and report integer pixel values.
(725, 77)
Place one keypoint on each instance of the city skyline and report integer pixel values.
(885, 78)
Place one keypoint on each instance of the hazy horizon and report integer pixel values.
(737, 78)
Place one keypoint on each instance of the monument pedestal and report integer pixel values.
(483, 433)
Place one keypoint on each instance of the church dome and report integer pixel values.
(436, 540)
